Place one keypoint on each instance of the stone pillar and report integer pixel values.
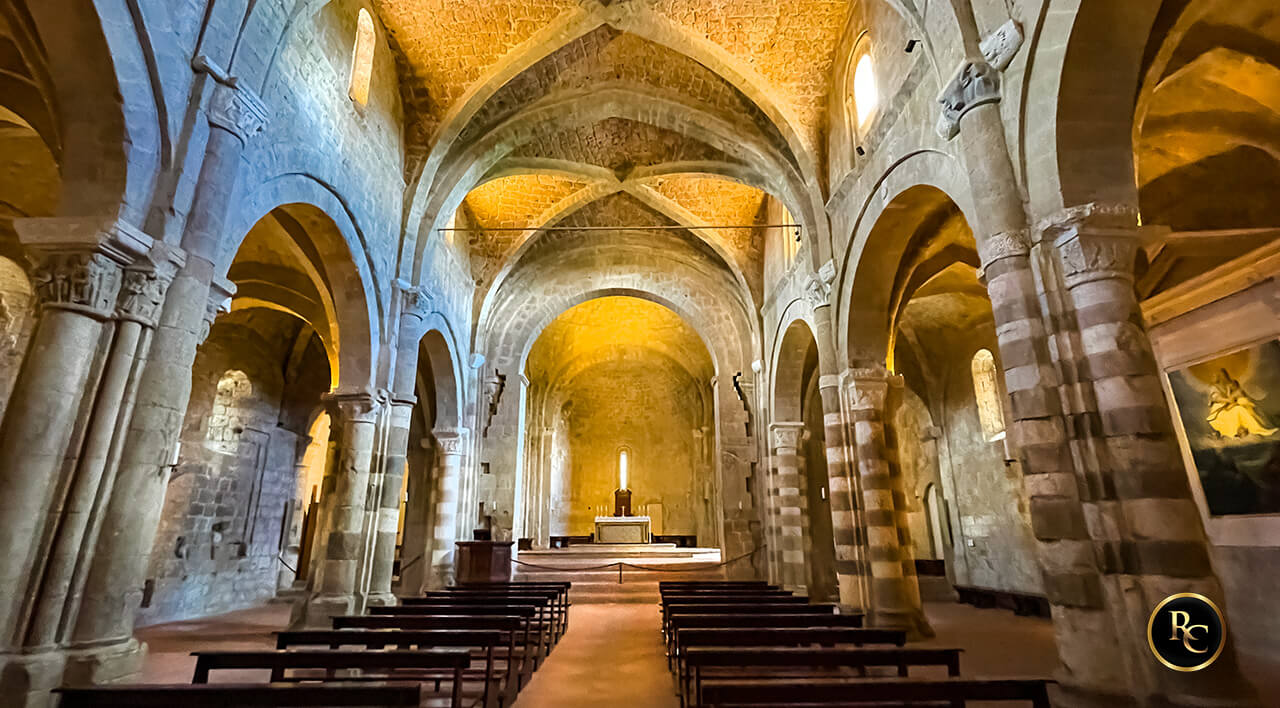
(1146, 530)
(842, 482)
(787, 502)
(895, 591)
(452, 450)
(387, 500)
(104, 629)
(340, 540)
(58, 436)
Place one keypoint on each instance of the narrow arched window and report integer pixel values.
(986, 390)
(623, 471)
(866, 94)
(362, 59)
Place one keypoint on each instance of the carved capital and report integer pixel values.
(81, 280)
(452, 441)
(237, 110)
(1094, 242)
(142, 295)
(997, 247)
(868, 389)
(975, 83)
(415, 301)
(354, 406)
(220, 294)
(786, 435)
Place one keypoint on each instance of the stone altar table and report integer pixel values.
(622, 529)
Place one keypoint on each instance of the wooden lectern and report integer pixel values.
(483, 561)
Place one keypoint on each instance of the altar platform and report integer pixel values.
(646, 565)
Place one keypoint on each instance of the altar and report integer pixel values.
(622, 529)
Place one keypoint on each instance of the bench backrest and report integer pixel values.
(506, 623)
(764, 637)
(383, 638)
(827, 657)
(775, 692)
(221, 695)
(679, 622)
(279, 661)
(747, 608)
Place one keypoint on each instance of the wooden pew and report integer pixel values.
(517, 625)
(484, 645)
(562, 587)
(257, 695)
(704, 662)
(372, 665)
(533, 612)
(827, 636)
(549, 598)
(722, 605)
(851, 692)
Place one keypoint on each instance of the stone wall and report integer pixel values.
(235, 482)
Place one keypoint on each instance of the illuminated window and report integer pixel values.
(790, 237)
(622, 468)
(230, 409)
(362, 59)
(866, 96)
(987, 392)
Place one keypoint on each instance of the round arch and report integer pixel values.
(793, 350)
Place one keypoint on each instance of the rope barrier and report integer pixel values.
(621, 564)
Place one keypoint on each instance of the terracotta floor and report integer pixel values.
(613, 654)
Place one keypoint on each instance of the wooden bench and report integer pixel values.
(257, 695)
(782, 693)
(748, 662)
(533, 612)
(372, 665)
(726, 637)
(558, 608)
(519, 657)
(483, 645)
(767, 608)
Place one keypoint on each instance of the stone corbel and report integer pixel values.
(974, 84)
(220, 293)
(493, 388)
(415, 301)
(1002, 45)
(238, 110)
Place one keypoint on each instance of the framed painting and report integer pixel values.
(1229, 407)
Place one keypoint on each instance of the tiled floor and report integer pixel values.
(613, 654)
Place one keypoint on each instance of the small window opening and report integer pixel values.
(362, 59)
(986, 390)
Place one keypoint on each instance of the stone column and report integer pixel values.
(786, 507)
(452, 450)
(104, 628)
(387, 502)
(842, 482)
(895, 591)
(340, 548)
(55, 440)
(1145, 527)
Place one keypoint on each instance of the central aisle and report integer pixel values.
(611, 655)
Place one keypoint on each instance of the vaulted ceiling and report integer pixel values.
(540, 113)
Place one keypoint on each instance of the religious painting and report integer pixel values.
(1230, 409)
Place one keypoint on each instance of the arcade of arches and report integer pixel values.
(890, 302)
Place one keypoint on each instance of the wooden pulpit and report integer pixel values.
(483, 561)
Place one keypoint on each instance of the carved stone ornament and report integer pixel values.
(452, 441)
(816, 292)
(1095, 241)
(493, 388)
(142, 294)
(1002, 45)
(84, 281)
(414, 301)
(237, 110)
(1010, 244)
(869, 388)
(220, 294)
(355, 406)
(976, 83)
(786, 435)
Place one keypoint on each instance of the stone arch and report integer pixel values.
(109, 136)
(1082, 93)
(438, 349)
(340, 251)
(794, 347)
(871, 262)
